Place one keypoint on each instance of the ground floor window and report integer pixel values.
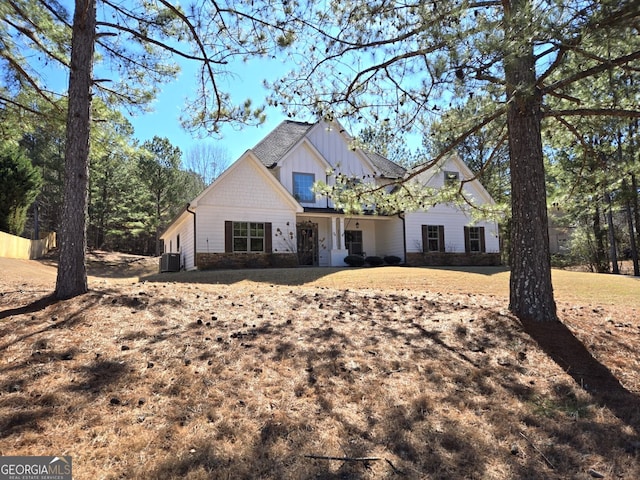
(247, 237)
(474, 239)
(353, 241)
(432, 238)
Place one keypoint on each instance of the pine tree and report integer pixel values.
(19, 185)
(405, 62)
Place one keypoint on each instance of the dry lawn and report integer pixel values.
(248, 374)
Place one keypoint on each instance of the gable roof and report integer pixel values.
(384, 166)
(275, 145)
(455, 159)
(288, 133)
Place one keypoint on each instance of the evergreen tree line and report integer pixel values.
(135, 188)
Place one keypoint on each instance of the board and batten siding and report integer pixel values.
(454, 221)
(333, 146)
(303, 160)
(246, 195)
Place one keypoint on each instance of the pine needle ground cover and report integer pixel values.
(318, 373)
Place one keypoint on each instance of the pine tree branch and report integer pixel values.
(593, 112)
(207, 62)
(31, 36)
(49, 5)
(147, 39)
(587, 148)
(21, 106)
(34, 84)
(604, 66)
(458, 140)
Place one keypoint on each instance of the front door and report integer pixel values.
(307, 233)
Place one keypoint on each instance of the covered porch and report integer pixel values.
(325, 238)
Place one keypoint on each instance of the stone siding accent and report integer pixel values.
(437, 259)
(210, 261)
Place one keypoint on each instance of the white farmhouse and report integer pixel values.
(262, 211)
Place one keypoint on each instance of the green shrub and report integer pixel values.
(392, 260)
(354, 260)
(374, 261)
(20, 184)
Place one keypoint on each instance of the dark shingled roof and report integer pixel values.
(275, 145)
(384, 166)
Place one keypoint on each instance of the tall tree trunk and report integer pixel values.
(636, 207)
(531, 291)
(632, 238)
(72, 271)
(612, 237)
(599, 255)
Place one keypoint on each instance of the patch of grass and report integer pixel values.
(550, 407)
(582, 287)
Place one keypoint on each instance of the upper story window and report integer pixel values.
(302, 187)
(451, 179)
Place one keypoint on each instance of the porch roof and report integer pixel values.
(333, 211)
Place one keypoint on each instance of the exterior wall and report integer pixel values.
(185, 230)
(453, 259)
(390, 238)
(380, 236)
(560, 239)
(245, 195)
(210, 261)
(338, 153)
(303, 160)
(335, 150)
(454, 221)
(211, 220)
(332, 146)
(453, 218)
(325, 241)
(369, 240)
(434, 178)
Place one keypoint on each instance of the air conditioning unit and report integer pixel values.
(170, 262)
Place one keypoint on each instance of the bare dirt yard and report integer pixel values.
(365, 373)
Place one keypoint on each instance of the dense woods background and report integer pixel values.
(135, 188)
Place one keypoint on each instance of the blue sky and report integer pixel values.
(246, 82)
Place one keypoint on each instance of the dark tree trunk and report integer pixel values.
(636, 207)
(632, 238)
(531, 291)
(599, 255)
(72, 271)
(613, 249)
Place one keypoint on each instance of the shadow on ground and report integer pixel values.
(561, 345)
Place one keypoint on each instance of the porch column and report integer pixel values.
(338, 253)
(335, 241)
